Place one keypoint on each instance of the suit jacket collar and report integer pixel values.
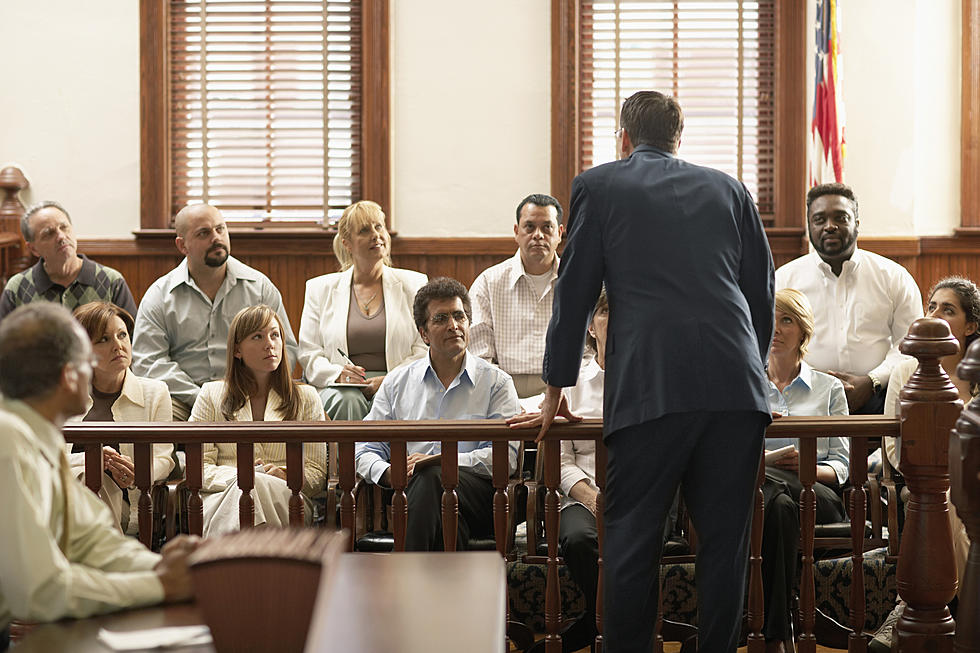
(652, 150)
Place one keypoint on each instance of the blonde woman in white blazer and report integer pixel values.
(118, 395)
(357, 324)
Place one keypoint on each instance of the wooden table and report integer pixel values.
(412, 603)
(405, 602)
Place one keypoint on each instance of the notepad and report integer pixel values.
(155, 638)
(782, 452)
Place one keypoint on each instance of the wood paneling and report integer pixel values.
(564, 99)
(375, 154)
(289, 260)
(154, 115)
(790, 109)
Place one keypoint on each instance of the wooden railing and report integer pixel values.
(929, 408)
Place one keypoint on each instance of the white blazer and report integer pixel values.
(323, 327)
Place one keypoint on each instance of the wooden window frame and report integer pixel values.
(790, 128)
(970, 121)
(156, 214)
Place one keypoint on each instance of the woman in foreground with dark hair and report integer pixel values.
(257, 387)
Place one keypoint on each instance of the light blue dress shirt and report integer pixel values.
(817, 394)
(181, 336)
(414, 392)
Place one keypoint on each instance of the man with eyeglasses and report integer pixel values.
(61, 552)
(512, 300)
(449, 383)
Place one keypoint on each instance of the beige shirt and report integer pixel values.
(101, 569)
(141, 400)
(207, 408)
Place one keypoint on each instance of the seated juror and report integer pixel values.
(357, 323)
(62, 275)
(118, 395)
(449, 383)
(796, 389)
(257, 387)
(61, 554)
(182, 322)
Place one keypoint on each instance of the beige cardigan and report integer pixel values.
(207, 408)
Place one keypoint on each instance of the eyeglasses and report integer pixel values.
(618, 133)
(443, 318)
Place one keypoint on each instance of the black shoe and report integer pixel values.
(580, 634)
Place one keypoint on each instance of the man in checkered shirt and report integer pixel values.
(512, 300)
(61, 275)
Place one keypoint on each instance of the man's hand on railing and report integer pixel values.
(172, 569)
(554, 405)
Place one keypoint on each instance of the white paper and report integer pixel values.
(151, 638)
(773, 456)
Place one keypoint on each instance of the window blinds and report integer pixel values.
(265, 107)
(715, 56)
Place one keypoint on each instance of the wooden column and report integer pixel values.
(964, 478)
(808, 522)
(246, 481)
(294, 479)
(450, 501)
(398, 477)
(926, 568)
(346, 450)
(501, 511)
(858, 474)
(552, 592)
(756, 610)
(194, 472)
(12, 181)
(143, 461)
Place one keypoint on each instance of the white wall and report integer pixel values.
(901, 64)
(470, 111)
(70, 108)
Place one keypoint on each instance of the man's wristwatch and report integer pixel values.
(875, 383)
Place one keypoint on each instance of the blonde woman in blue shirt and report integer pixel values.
(796, 389)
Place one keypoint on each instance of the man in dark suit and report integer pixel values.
(689, 277)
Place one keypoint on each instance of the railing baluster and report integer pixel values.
(246, 481)
(194, 473)
(552, 599)
(858, 473)
(294, 479)
(346, 450)
(756, 641)
(94, 465)
(398, 476)
(964, 472)
(144, 481)
(501, 472)
(600, 503)
(926, 571)
(450, 502)
(808, 522)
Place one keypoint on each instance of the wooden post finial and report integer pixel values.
(964, 478)
(12, 181)
(926, 574)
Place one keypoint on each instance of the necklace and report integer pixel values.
(364, 306)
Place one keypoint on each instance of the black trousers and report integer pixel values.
(424, 498)
(714, 458)
(781, 539)
(4, 638)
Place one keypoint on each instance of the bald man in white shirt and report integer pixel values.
(863, 303)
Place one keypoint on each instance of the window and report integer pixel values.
(736, 66)
(262, 108)
(714, 56)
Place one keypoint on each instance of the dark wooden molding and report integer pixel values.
(789, 107)
(154, 115)
(893, 247)
(375, 155)
(970, 117)
(564, 98)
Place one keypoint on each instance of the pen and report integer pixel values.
(346, 358)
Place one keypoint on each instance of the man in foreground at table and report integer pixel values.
(449, 383)
(689, 277)
(60, 553)
(181, 332)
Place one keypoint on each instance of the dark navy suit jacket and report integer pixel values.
(689, 277)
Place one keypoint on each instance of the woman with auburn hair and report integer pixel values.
(357, 324)
(795, 389)
(118, 395)
(257, 387)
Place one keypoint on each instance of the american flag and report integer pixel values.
(827, 144)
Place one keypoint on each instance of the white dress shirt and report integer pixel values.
(578, 456)
(181, 336)
(323, 327)
(414, 391)
(860, 316)
(510, 318)
(100, 569)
